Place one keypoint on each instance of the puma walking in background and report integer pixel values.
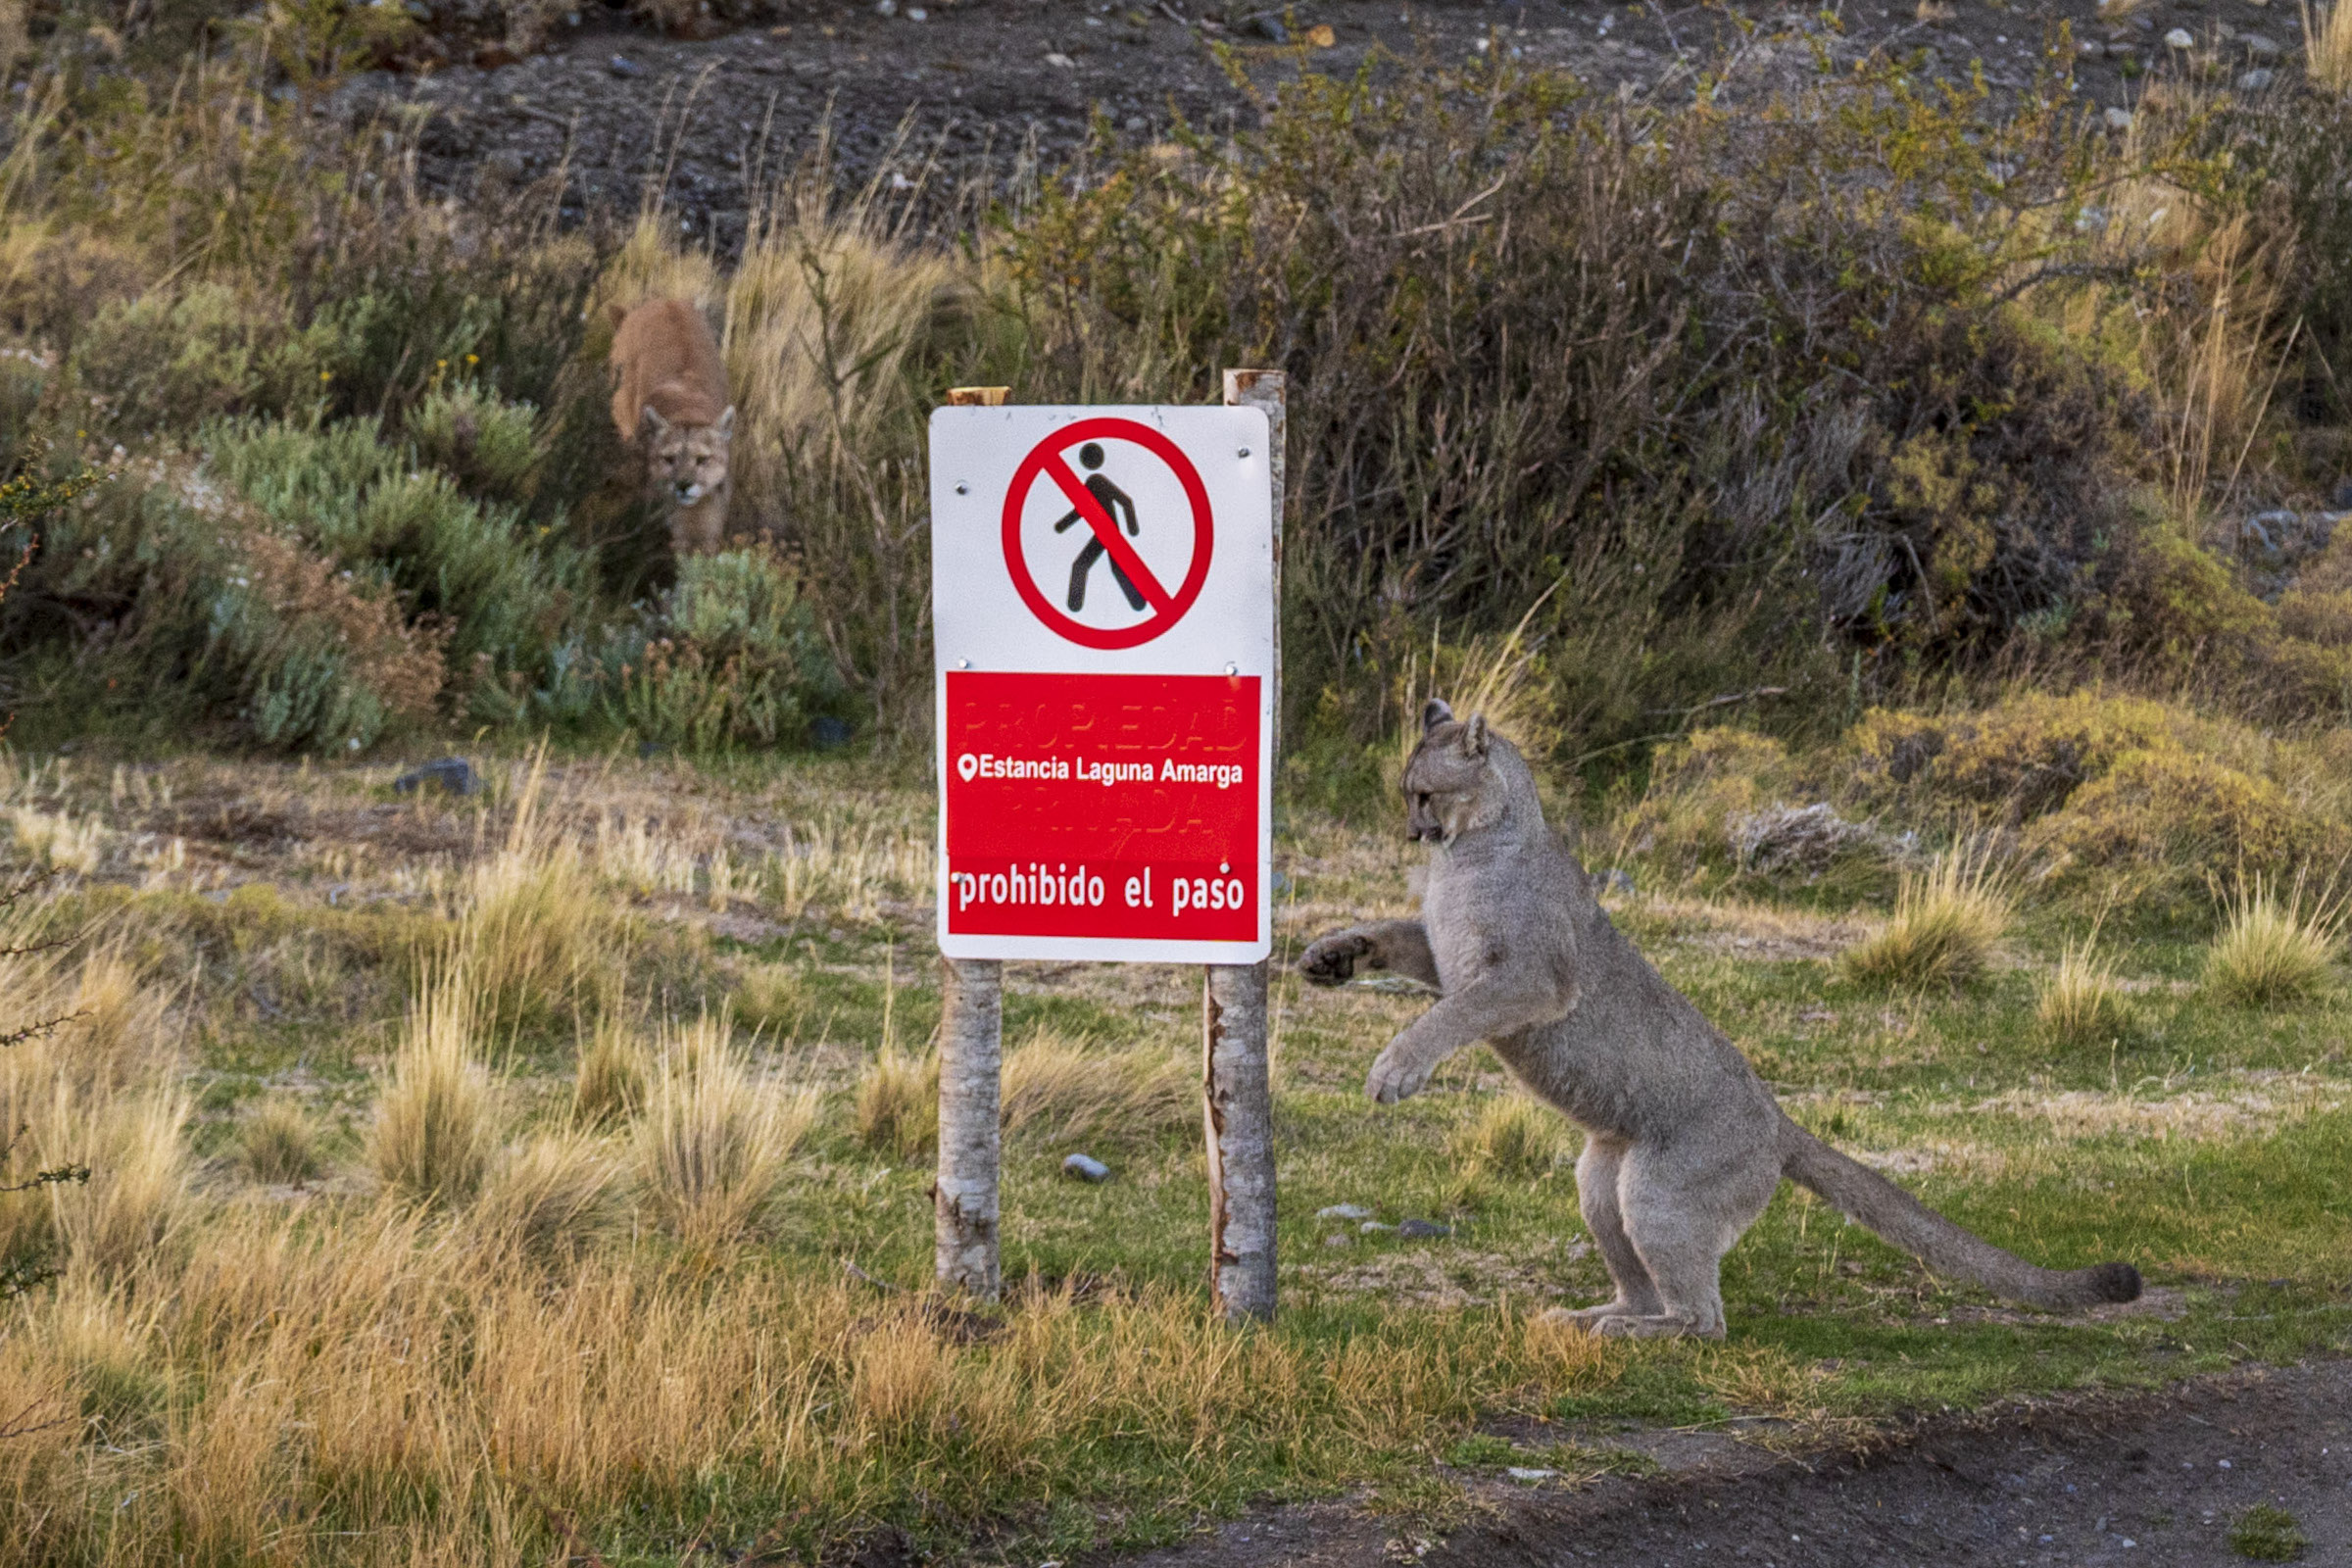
(1684, 1144)
(670, 392)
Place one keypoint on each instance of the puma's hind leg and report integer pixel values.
(1597, 1172)
(1682, 1217)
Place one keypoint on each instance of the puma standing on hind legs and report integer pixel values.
(1683, 1145)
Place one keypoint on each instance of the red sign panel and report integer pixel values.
(1103, 806)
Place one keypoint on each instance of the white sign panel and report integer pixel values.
(1103, 596)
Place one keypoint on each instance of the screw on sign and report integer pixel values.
(1103, 593)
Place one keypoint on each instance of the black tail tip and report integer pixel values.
(2115, 1282)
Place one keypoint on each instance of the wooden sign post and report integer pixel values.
(1107, 652)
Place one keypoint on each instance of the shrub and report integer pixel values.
(1698, 787)
(1947, 921)
(2160, 819)
(2080, 1002)
(713, 1137)
(2273, 950)
(2267, 1532)
(222, 613)
(897, 1105)
(487, 444)
(2018, 758)
(728, 657)
(278, 1143)
(434, 1129)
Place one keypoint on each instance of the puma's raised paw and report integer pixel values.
(1396, 1076)
(1331, 960)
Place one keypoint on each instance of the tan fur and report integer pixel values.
(1684, 1144)
(669, 392)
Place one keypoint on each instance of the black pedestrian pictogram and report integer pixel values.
(1115, 503)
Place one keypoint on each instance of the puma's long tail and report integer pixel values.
(1869, 1198)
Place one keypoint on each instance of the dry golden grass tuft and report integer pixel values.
(828, 305)
(59, 842)
(1947, 921)
(550, 1195)
(2081, 1001)
(2276, 949)
(608, 1082)
(2328, 44)
(1515, 1137)
(532, 934)
(436, 1110)
(135, 1145)
(772, 997)
(714, 1135)
(896, 1109)
(1063, 1089)
(278, 1143)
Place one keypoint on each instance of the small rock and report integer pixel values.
(2090, 49)
(1373, 1227)
(2258, 80)
(1618, 881)
(506, 165)
(1339, 1239)
(2260, 47)
(1343, 1212)
(1269, 27)
(2178, 38)
(1320, 37)
(829, 734)
(917, 14)
(1424, 1227)
(1086, 1168)
(1135, 122)
(2119, 119)
(1058, 58)
(1519, 1472)
(886, 8)
(624, 66)
(452, 774)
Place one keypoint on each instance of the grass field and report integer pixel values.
(475, 1179)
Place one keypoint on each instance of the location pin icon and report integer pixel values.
(967, 764)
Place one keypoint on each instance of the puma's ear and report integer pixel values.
(1433, 713)
(653, 424)
(727, 423)
(1474, 736)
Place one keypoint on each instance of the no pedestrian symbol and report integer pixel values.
(1107, 535)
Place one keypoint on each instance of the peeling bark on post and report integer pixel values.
(971, 1062)
(1238, 1098)
(971, 1056)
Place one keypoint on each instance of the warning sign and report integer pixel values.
(1110, 532)
(1105, 623)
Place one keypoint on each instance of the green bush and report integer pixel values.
(503, 593)
(728, 657)
(487, 444)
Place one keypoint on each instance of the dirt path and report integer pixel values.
(977, 81)
(2152, 1481)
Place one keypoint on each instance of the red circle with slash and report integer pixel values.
(1045, 460)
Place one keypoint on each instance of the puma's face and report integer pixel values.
(1449, 784)
(685, 463)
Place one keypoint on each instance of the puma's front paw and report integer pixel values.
(1331, 960)
(1396, 1076)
